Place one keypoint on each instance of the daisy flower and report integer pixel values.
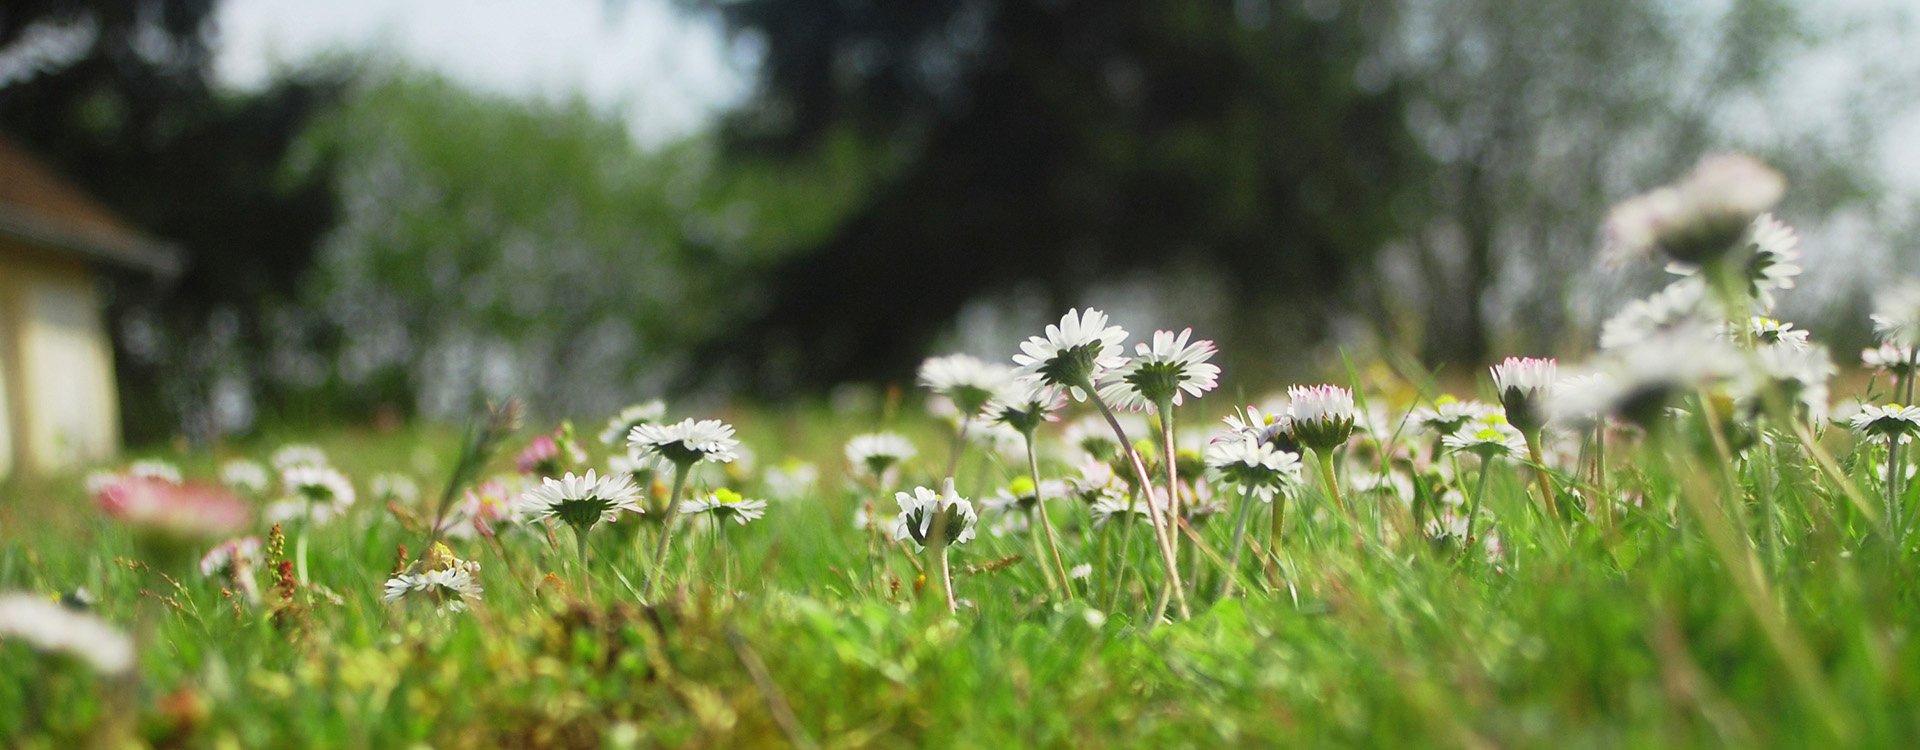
(727, 505)
(792, 479)
(1447, 415)
(1245, 460)
(1110, 508)
(1896, 313)
(394, 488)
(1322, 415)
(1700, 218)
(246, 476)
(1767, 332)
(1019, 495)
(965, 380)
(154, 468)
(317, 486)
(622, 424)
(1489, 436)
(1880, 424)
(919, 508)
(550, 455)
(1641, 379)
(449, 589)
(687, 442)
(171, 511)
(1889, 358)
(876, 453)
(53, 628)
(1023, 404)
(232, 555)
(1679, 305)
(1801, 373)
(1073, 354)
(1771, 260)
(582, 501)
(297, 454)
(1525, 385)
(1162, 372)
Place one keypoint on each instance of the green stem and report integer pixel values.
(580, 541)
(1239, 541)
(1160, 529)
(1046, 524)
(680, 472)
(300, 547)
(1479, 494)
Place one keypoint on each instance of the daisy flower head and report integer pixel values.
(1489, 436)
(1447, 415)
(1024, 403)
(169, 511)
(1889, 358)
(622, 424)
(1896, 313)
(1525, 385)
(1699, 219)
(1322, 416)
(1073, 354)
(447, 582)
(550, 455)
(791, 479)
(481, 509)
(1115, 507)
(920, 508)
(51, 627)
(394, 488)
(317, 485)
(1641, 379)
(1880, 424)
(1021, 495)
(1801, 374)
(1680, 304)
(246, 476)
(232, 555)
(297, 454)
(1768, 333)
(875, 453)
(726, 505)
(687, 442)
(965, 380)
(1256, 465)
(1770, 261)
(1162, 372)
(582, 501)
(153, 468)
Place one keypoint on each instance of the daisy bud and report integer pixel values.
(1322, 416)
(1525, 385)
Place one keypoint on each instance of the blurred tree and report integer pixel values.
(116, 93)
(1068, 142)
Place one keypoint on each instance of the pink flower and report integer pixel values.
(193, 509)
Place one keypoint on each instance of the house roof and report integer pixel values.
(39, 207)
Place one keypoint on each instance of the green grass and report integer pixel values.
(1584, 634)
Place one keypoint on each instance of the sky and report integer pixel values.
(666, 74)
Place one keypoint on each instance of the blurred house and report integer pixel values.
(58, 402)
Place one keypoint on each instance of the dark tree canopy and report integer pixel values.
(130, 114)
(1061, 143)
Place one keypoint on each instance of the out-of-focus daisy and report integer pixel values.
(445, 581)
(726, 505)
(1772, 260)
(1699, 219)
(791, 479)
(1889, 358)
(996, 438)
(1272, 425)
(153, 468)
(1525, 385)
(1680, 304)
(1447, 415)
(687, 442)
(394, 488)
(1252, 464)
(1490, 436)
(1880, 424)
(550, 455)
(1801, 374)
(171, 511)
(230, 555)
(920, 508)
(1642, 379)
(246, 476)
(50, 627)
(317, 486)
(1110, 508)
(1896, 313)
(876, 453)
(297, 454)
(622, 424)
(1162, 372)
(482, 509)
(965, 380)
(1020, 496)
(1322, 416)
(582, 501)
(1073, 354)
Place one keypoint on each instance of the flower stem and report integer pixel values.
(1540, 474)
(680, 472)
(1160, 528)
(580, 541)
(300, 547)
(1165, 409)
(1046, 524)
(1239, 541)
(946, 582)
(1473, 510)
(1325, 459)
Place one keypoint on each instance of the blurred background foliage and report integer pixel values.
(1417, 177)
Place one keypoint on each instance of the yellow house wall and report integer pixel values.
(56, 361)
